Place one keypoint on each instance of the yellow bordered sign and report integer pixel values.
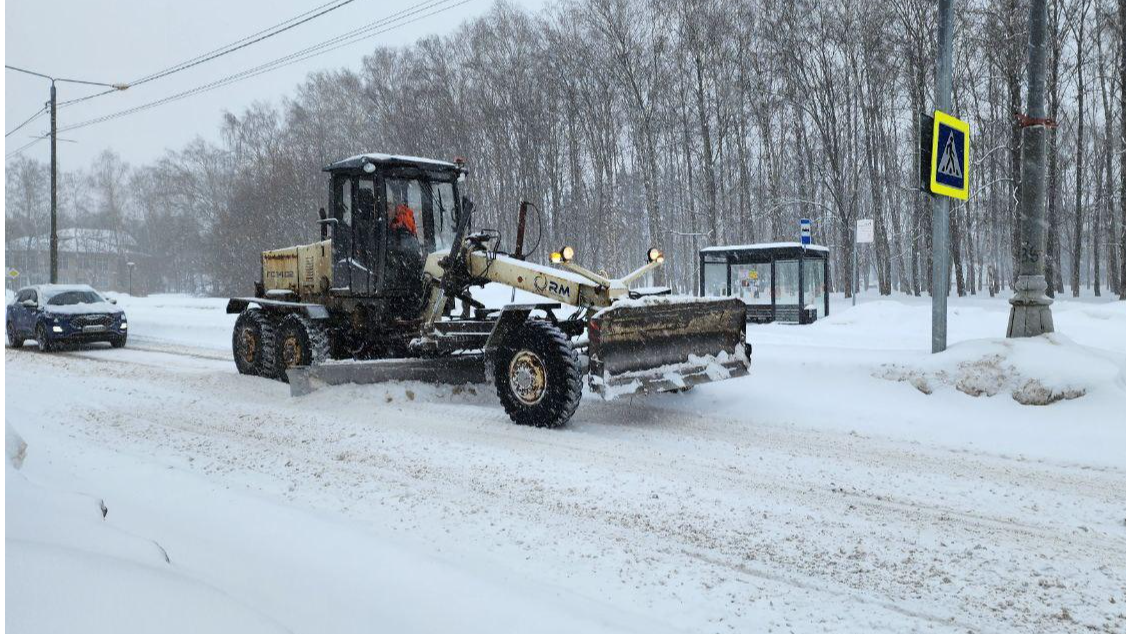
(950, 156)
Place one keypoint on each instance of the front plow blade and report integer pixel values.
(667, 343)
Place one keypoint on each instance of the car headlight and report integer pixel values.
(56, 328)
(124, 325)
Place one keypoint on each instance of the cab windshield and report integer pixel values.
(424, 206)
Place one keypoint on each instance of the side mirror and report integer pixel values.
(112, 300)
(322, 222)
(325, 224)
(29, 303)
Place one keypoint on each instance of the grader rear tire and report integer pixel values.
(537, 375)
(300, 341)
(253, 344)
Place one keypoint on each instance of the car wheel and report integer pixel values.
(14, 340)
(43, 339)
(118, 342)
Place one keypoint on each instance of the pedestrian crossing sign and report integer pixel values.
(950, 156)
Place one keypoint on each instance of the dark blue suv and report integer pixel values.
(52, 314)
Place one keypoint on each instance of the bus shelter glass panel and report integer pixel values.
(815, 286)
(786, 290)
(715, 278)
(751, 283)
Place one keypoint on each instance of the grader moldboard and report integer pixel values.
(387, 297)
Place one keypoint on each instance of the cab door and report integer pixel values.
(366, 238)
(342, 234)
(354, 243)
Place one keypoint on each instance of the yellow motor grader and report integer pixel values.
(386, 295)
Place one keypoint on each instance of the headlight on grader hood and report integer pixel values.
(562, 256)
(655, 255)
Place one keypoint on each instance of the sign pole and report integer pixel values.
(855, 270)
(940, 218)
(865, 234)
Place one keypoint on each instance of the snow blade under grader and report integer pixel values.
(455, 370)
(663, 343)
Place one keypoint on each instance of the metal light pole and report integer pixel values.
(130, 265)
(54, 159)
(1031, 312)
(940, 217)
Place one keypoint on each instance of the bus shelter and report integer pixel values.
(779, 281)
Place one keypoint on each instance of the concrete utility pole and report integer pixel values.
(940, 217)
(54, 190)
(1121, 154)
(1031, 312)
(54, 159)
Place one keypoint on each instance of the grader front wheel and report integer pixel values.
(537, 376)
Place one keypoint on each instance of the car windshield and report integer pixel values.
(70, 298)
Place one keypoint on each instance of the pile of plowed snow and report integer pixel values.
(1033, 371)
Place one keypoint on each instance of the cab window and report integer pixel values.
(344, 200)
(445, 223)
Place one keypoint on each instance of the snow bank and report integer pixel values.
(75, 570)
(1034, 371)
(867, 369)
(200, 322)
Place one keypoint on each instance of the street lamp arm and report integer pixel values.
(93, 83)
(29, 72)
(118, 86)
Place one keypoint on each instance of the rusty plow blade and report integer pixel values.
(667, 343)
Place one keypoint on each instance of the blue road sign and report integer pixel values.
(806, 231)
(950, 164)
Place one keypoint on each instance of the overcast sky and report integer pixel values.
(124, 40)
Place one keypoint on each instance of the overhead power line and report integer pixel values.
(19, 151)
(253, 38)
(206, 57)
(38, 113)
(368, 31)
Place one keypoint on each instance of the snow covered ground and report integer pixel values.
(853, 482)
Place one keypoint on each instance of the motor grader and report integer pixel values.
(386, 294)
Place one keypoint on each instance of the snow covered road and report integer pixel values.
(771, 503)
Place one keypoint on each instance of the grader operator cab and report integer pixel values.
(386, 295)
